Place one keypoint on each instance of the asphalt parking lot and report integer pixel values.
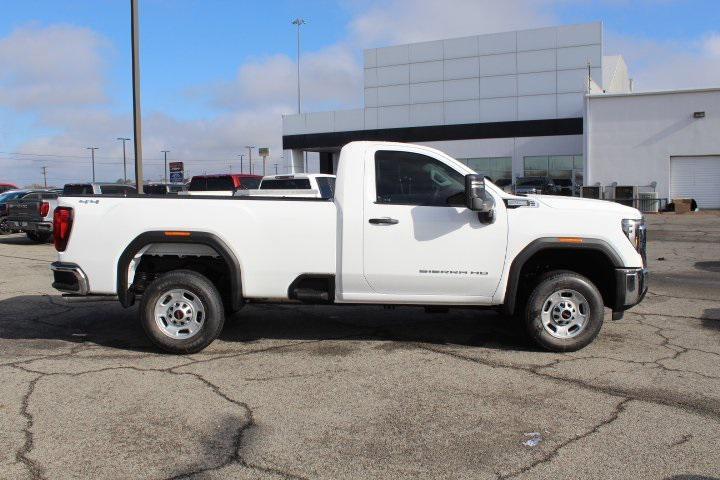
(347, 392)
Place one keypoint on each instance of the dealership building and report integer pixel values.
(541, 102)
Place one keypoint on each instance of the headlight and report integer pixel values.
(631, 227)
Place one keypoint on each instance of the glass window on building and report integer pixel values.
(565, 170)
(497, 168)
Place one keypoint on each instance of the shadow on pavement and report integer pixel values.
(42, 317)
(711, 318)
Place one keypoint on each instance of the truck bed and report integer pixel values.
(274, 239)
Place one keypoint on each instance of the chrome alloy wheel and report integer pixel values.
(565, 313)
(179, 314)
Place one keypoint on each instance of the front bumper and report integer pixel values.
(38, 227)
(631, 287)
(69, 278)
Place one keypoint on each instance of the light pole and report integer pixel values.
(241, 155)
(298, 21)
(276, 169)
(122, 139)
(92, 153)
(165, 152)
(250, 147)
(137, 123)
(44, 170)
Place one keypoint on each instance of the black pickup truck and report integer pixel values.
(33, 214)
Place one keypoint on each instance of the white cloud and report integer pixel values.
(47, 67)
(331, 78)
(404, 21)
(664, 65)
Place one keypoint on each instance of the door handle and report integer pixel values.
(384, 221)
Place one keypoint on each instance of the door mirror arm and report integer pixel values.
(477, 199)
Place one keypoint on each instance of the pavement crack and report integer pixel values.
(22, 454)
(614, 415)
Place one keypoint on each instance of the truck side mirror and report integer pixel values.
(476, 198)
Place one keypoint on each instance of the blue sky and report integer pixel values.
(217, 74)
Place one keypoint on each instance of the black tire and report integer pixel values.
(198, 285)
(32, 236)
(546, 285)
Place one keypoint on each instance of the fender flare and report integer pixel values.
(547, 243)
(127, 297)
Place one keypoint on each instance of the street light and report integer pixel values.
(165, 152)
(250, 147)
(241, 155)
(137, 118)
(299, 22)
(123, 139)
(92, 152)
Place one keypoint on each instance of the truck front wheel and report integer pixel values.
(182, 312)
(564, 312)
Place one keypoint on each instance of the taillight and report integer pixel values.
(44, 209)
(62, 224)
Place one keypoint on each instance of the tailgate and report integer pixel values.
(24, 211)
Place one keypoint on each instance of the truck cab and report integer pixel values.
(407, 225)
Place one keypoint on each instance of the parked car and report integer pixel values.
(504, 183)
(222, 184)
(4, 199)
(318, 185)
(98, 189)
(33, 214)
(163, 188)
(536, 185)
(565, 186)
(404, 227)
(4, 187)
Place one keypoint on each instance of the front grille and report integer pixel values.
(642, 242)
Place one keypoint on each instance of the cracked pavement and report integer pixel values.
(348, 392)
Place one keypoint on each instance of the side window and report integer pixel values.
(250, 183)
(326, 186)
(414, 179)
(31, 196)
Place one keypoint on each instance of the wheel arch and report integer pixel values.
(127, 296)
(544, 246)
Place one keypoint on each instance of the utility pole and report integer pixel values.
(44, 170)
(122, 139)
(276, 169)
(92, 150)
(242, 155)
(165, 152)
(137, 122)
(250, 147)
(298, 21)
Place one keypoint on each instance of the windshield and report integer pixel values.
(530, 182)
(285, 184)
(78, 189)
(5, 197)
(211, 184)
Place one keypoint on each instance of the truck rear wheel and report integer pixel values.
(182, 312)
(564, 312)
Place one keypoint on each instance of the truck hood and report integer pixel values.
(589, 204)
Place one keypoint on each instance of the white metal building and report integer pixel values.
(530, 102)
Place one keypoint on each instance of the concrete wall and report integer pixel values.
(522, 75)
(630, 138)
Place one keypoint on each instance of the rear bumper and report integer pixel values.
(69, 278)
(39, 227)
(631, 287)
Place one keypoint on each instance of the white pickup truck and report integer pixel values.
(408, 225)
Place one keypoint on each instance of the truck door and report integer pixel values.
(419, 238)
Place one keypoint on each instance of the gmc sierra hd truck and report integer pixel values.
(408, 225)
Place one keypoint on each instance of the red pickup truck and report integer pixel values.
(4, 187)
